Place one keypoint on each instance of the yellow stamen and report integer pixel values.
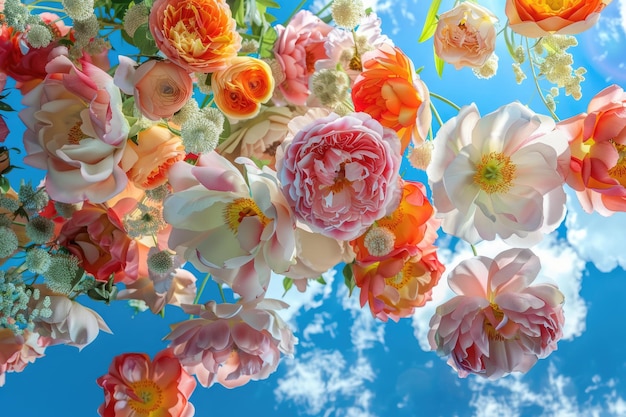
(149, 397)
(618, 171)
(495, 173)
(235, 212)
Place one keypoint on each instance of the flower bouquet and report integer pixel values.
(190, 143)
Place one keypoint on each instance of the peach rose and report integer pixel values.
(160, 88)
(240, 89)
(391, 92)
(148, 161)
(466, 35)
(565, 17)
(198, 35)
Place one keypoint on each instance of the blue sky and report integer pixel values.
(347, 364)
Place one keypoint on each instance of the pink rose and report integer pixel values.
(340, 174)
(232, 344)
(466, 35)
(160, 88)
(299, 45)
(498, 323)
(17, 351)
(77, 132)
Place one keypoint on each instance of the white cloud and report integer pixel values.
(319, 326)
(321, 381)
(560, 264)
(596, 238)
(622, 13)
(365, 330)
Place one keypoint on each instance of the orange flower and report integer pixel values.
(396, 265)
(198, 35)
(390, 91)
(565, 17)
(138, 387)
(148, 161)
(240, 89)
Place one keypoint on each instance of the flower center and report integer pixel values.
(553, 7)
(618, 172)
(379, 241)
(494, 173)
(410, 271)
(75, 135)
(235, 212)
(489, 326)
(148, 397)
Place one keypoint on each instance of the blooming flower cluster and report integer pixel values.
(240, 149)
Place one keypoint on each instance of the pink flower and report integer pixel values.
(77, 132)
(17, 351)
(466, 35)
(238, 228)
(340, 174)
(71, 323)
(232, 344)
(135, 386)
(597, 140)
(498, 323)
(160, 88)
(299, 45)
(502, 175)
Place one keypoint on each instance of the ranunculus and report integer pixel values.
(502, 174)
(466, 35)
(199, 35)
(340, 174)
(77, 132)
(232, 344)
(147, 162)
(597, 141)
(391, 92)
(396, 264)
(97, 237)
(70, 323)
(299, 45)
(237, 228)
(160, 88)
(136, 386)
(239, 89)
(498, 323)
(565, 17)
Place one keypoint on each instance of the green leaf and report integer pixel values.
(239, 13)
(266, 49)
(144, 41)
(348, 278)
(287, 284)
(5, 107)
(431, 21)
(321, 280)
(4, 185)
(439, 63)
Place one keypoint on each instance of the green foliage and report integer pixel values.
(428, 30)
(348, 278)
(144, 41)
(103, 291)
(439, 63)
(287, 284)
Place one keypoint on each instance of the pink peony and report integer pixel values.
(597, 140)
(237, 228)
(77, 132)
(497, 323)
(136, 386)
(232, 344)
(501, 174)
(299, 45)
(340, 174)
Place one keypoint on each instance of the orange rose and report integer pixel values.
(240, 89)
(389, 90)
(565, 17)
(198, 35)
(148, 161)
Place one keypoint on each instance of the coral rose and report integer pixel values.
(240, 89)
(340, 174)
(498, 323)
(466, 35)
(136, 386)
(17, 351)
(597, 141)
(232, 344)
(391, 92)
(564, 17)
(198, 35)
(160, 88)
(147, 162)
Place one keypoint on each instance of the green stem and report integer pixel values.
(46, 8)
(474, 251)
(445, 100)
(219, 287)
(295, 10)
(201, 290)
(323, 9)
(436, 114)
(536, 80)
